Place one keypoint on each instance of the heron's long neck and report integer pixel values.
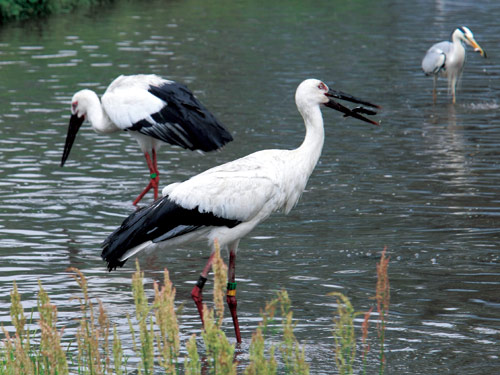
(98, 118)
(458, 44)
(456, 57)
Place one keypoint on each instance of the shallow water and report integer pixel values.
(424, 184)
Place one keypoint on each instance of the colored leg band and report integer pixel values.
(231, 289)
(201, 282)
(153, 176)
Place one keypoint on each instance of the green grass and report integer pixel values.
(344, 334)
(97, 348)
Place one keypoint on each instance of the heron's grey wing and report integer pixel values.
(435, 58)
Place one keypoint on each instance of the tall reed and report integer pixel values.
(344, 335)
(219, 352)
(167, 338)
(344, 326)
(382, 296)
(293, 355)
(259, 362)
(364, 338)
(156, 338)
(220, 282)
(92, 335)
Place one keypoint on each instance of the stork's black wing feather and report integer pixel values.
(184, 121)
(162, 220)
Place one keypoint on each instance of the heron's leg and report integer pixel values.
(434, 93)
(152, 182)
(453, 85)
(196, 293)
(231, 291)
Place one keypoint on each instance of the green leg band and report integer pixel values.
(231, 289)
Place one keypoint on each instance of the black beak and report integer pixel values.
(74, 125)
(355, 112)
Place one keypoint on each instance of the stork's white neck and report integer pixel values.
(313, 142)
(97, 117)
(303, 159)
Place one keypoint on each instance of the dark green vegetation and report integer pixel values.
(24, 9)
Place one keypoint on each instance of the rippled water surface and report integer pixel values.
(425, 184)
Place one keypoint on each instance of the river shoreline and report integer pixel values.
(12, 10)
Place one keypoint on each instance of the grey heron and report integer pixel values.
(448, 58)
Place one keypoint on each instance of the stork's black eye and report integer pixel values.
(322, 86)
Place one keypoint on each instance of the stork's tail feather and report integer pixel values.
(161, 221)
(131, 233)
(113, 263)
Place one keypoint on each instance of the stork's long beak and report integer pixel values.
(355, 112)
(477, 48)
(74, 125)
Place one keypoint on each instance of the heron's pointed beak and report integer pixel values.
(477, 48)
(355, 112)
(74, 125)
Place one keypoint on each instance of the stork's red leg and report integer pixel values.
(137, 200)
(231, 292)
(196, 293)
(156, 174)
(153, 183)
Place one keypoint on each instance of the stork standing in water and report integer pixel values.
(448, 59)
(226, 202)
(154, 110)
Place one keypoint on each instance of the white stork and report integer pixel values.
(226, 202)
(448, 59)
(154, 110)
